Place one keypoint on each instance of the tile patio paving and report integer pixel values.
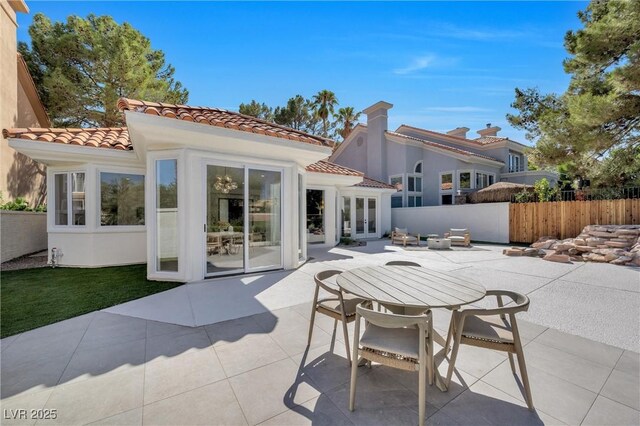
(108, 368)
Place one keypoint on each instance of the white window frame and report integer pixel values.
(98, 187)
(451, 191)
(52, 184)
(400, 194)
(513, 156)
(471, 179)
(477, 172)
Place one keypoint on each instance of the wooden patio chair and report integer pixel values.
(402, 236)
(214, 243)
(398, 341)
(339, 306)
(489, 328)
(459, 237)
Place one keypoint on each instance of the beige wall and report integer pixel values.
(19, 176)
(22, 233)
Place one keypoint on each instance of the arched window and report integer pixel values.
(414, 186)
(418, 167)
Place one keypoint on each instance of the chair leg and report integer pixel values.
(354, 365)
(430, 360)
(523, 373)
(346, 337)
(422, 390)
(457, 329)
(313, 314)
(449, 333)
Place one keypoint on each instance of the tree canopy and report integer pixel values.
(82, 66)
(315, 116)
(593, 129)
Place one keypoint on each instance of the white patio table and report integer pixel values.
(411, 287)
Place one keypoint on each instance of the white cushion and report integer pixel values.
(401, 341)
(455, 238)
(401, 231)
(458, 232)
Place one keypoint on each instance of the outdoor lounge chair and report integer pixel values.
(489, 328)
(401, 236)
(459, 237)
(397, 341)
(340, 307)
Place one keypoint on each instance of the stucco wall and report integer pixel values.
(486, 222)
(19, 175)
(354, 155)
(100, 248)
(22, 233)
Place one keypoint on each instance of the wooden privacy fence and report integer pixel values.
(565, 219)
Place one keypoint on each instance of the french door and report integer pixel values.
(243, 220)
(366, 212)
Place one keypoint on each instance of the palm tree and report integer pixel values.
(323, 103)
(346, 119)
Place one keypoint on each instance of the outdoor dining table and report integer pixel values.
(411, 287)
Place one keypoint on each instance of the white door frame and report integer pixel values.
(246, 267)
(354, 227)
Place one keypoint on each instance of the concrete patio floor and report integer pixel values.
(123, 366)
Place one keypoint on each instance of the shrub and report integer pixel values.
(544, 191)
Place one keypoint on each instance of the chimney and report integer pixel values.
(376, 140)
(489, 131)
(460, 132)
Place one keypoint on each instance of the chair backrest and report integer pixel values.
(402, 263)
(401, 231)
(521, 301)
(321, 277)
(388, 320)
(458, 232)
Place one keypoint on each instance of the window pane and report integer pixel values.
(411, 184)
(418, 184)
(465, 180)
(371, 215)
(397, 182)
(264, 218)
(61, 201)
(447, 199)
(396, 202)
(491, 179)
(418, 167)
(315, 216)
(446, 182)
(167, 215)
(346, 216)
(411, 201)
(301, 206)
(418, 201)
(359, 215)
(121, 199)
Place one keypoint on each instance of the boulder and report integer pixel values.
(543, 244)
(601, 234)
(580, 242)
(610, 256)
(554, 257)
(621, 260)
(594, 242)
(616, 244)
(596, 257)
(512, 252)
(585, 248)
(630, 232)
(563, 246)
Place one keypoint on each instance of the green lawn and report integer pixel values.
(31, 298)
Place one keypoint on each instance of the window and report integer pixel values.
(121, 199)
(396, 201)
(464, 180)
(414, 184)
(167, 215)
(484, 179)
(397, 182)
(515, 163)
(446, 182)
(447, 199)
(414, 201)
(69, 199)
(418, 167)
(346, 216)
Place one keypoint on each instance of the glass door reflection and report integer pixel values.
(225, 220)
(264, 230)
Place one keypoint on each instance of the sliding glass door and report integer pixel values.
(243, 222)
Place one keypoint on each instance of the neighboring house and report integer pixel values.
(197, 192)
(20, 106)
(431, 168)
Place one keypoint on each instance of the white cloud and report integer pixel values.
(418, 64)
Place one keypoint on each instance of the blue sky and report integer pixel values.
(442, 65)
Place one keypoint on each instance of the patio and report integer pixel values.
(167, 358)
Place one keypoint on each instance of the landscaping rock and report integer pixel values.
(553, 257)
(512, 252)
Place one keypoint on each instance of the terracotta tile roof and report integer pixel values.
(221, 118)
(445, 147)
(103, 137)
(488, 140)
(372, 183)
(324, 166)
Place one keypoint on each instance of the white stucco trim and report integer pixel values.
(57, 154)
